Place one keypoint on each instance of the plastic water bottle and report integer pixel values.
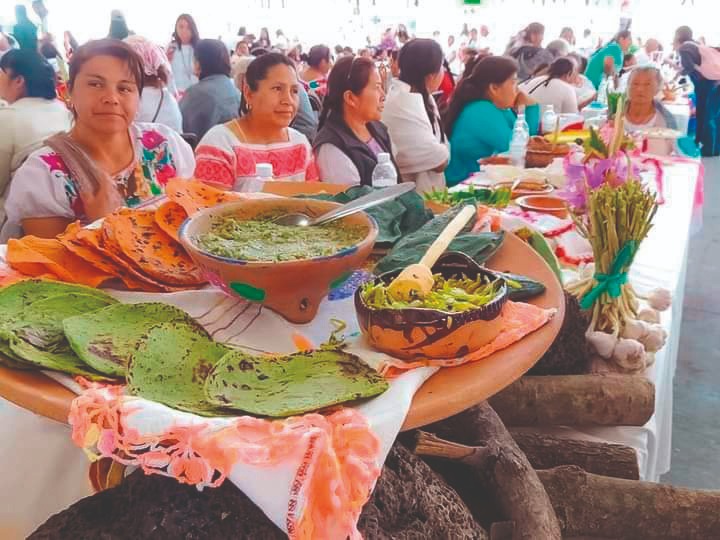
(519, 140)
(384, 173)
(549, 119)
(263, 173)
(602, 95)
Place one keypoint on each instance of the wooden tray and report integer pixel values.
(448, 392)
(452, 390)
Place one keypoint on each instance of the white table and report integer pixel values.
(661, 262)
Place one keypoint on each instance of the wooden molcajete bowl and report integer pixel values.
(294, 289)
(419, 333)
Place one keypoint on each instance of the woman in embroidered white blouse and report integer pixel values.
(420, 147)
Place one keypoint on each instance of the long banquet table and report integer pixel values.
(661, 262)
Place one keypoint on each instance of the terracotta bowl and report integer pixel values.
(545, 204)
(429, 333)
(294, 289)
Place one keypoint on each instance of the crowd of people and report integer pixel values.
(128, 114)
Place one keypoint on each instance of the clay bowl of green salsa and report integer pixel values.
(460, 315)
(288, 269)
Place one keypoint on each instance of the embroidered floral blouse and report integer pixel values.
(43, 187)
(224, 160)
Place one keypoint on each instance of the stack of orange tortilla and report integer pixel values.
(138, 247)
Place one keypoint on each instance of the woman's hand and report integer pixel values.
(522, 99)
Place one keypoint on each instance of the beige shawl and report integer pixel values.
(97, 190)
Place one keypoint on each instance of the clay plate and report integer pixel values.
(544, 204)
(448, 392)
(452, 390)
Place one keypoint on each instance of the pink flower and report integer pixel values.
(152, 139)
(165, 173)
(55, 163)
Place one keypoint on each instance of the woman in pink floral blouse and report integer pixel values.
(228, 154)
(106, 160)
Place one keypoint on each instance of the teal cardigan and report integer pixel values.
(481, 131)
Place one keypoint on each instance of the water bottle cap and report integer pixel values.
(264, 170)
(383, 157)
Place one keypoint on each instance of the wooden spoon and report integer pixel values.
(417, 280)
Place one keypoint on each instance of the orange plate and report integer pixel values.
(446, 393)
(544, 204)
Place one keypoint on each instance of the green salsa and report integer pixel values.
(455, 295)
(266, 241)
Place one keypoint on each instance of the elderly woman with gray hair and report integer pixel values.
(644, 110)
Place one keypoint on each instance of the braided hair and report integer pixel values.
(417, 59)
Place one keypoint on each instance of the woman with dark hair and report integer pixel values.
(228, 154)
(351, 135)
(482, 113)
(584, 88)
(555, 88)
(411, 115)
(264, 41)
(402, 35)
(447, 87)
(24, 31)
(214, 99)
(702, 65)
(106, 160)
(319, 63)
(470, 59)
(608, 60)
(181, 52)
(157, 104)
(27, 84)
(118, 25)
(568, 34)
(529, 52)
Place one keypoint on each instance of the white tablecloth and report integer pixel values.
(29, 467)
(661, 262)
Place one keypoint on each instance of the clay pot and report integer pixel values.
(419, 333)
(294, 289)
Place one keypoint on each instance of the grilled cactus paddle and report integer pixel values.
(106, 339)
(171, 365)
(289, 385)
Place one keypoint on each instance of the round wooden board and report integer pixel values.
(448, 392)
(452, 390)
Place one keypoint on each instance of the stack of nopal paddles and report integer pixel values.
(138, 247)
(164, 355)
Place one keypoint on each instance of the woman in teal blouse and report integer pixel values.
(481, 115)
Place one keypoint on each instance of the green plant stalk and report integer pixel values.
(615, 217)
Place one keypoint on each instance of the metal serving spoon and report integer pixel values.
(361, 203)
